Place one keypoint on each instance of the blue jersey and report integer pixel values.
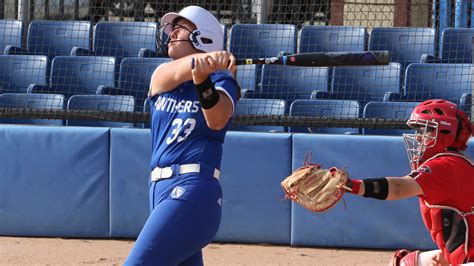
(180, 134)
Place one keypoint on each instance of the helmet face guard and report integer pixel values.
(424, 138)
(163, 39)
(438, 129)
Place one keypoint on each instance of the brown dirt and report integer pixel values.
(58, 251)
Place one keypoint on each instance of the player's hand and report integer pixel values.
(208, 63)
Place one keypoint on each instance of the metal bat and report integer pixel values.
(324, 59)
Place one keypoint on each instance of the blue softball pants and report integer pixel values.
(185, 216)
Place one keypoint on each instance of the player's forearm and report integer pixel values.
(218, 116)
(386, 188)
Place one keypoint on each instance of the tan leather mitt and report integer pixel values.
(314, 188)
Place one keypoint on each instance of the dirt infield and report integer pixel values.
(58, 251)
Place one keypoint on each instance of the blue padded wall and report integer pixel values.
(361, 223)
(130, 154)
(53, 181)
(253, 166)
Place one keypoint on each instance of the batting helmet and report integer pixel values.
(208, 35)
(439, 126)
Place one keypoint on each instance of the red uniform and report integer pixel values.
(447, 181)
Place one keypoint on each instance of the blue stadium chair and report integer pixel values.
(406, 45)
(247, 77)
(78, 75)
(259, 107)
(388, 110)
(364, 83)
(134, 79)
(124, 103)
(121, 39)
(11, 32)
(325, 108)
(290, 82)
(262, 40)
(451, 82)
(53, 38)
(332, 39)
(32, 101)
(17, 72)
(456, 47)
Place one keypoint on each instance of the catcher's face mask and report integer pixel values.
(418, 144)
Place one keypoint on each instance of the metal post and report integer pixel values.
(461, 13)
(262, 10)
(24, 12)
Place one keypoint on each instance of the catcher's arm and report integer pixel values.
(385, 188)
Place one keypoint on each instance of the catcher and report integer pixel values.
(441, 176)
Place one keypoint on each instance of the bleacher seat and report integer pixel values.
(451, 82)
(364, 83)
(290, 82)
(259, 107)
(32, 101)
(388, 110)
(121, 39)
(247, 77)
(11, 32)
(456, 47)
(78, 75)
(262, 40)
(17, 72)
(53, 38)
(325, 108)
(134, 79)
(332, 39)
(406, 45)
(124, 103)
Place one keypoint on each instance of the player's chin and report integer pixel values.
(173, 53)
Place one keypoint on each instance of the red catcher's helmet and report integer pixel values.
(439, 125)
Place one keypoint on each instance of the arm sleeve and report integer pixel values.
(434, 178)
(227, 84)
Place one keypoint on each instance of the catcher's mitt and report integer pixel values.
(314, 188)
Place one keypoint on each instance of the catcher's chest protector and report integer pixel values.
(449, 229)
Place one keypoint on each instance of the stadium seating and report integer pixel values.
(332, 39)
(101, 103)
(259, 107)
(456, 47)
(406, 45)
(363, 84)
(11, 33)
(134, 79)
(78, 75)
(451, 82)
(388, 110)
(17, 72)
(246, 77)
(53, 38)
(325, 108)
(31, 101)
(290, 82)
(262, 40)
(121, 39)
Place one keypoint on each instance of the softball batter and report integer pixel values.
(192, 100)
